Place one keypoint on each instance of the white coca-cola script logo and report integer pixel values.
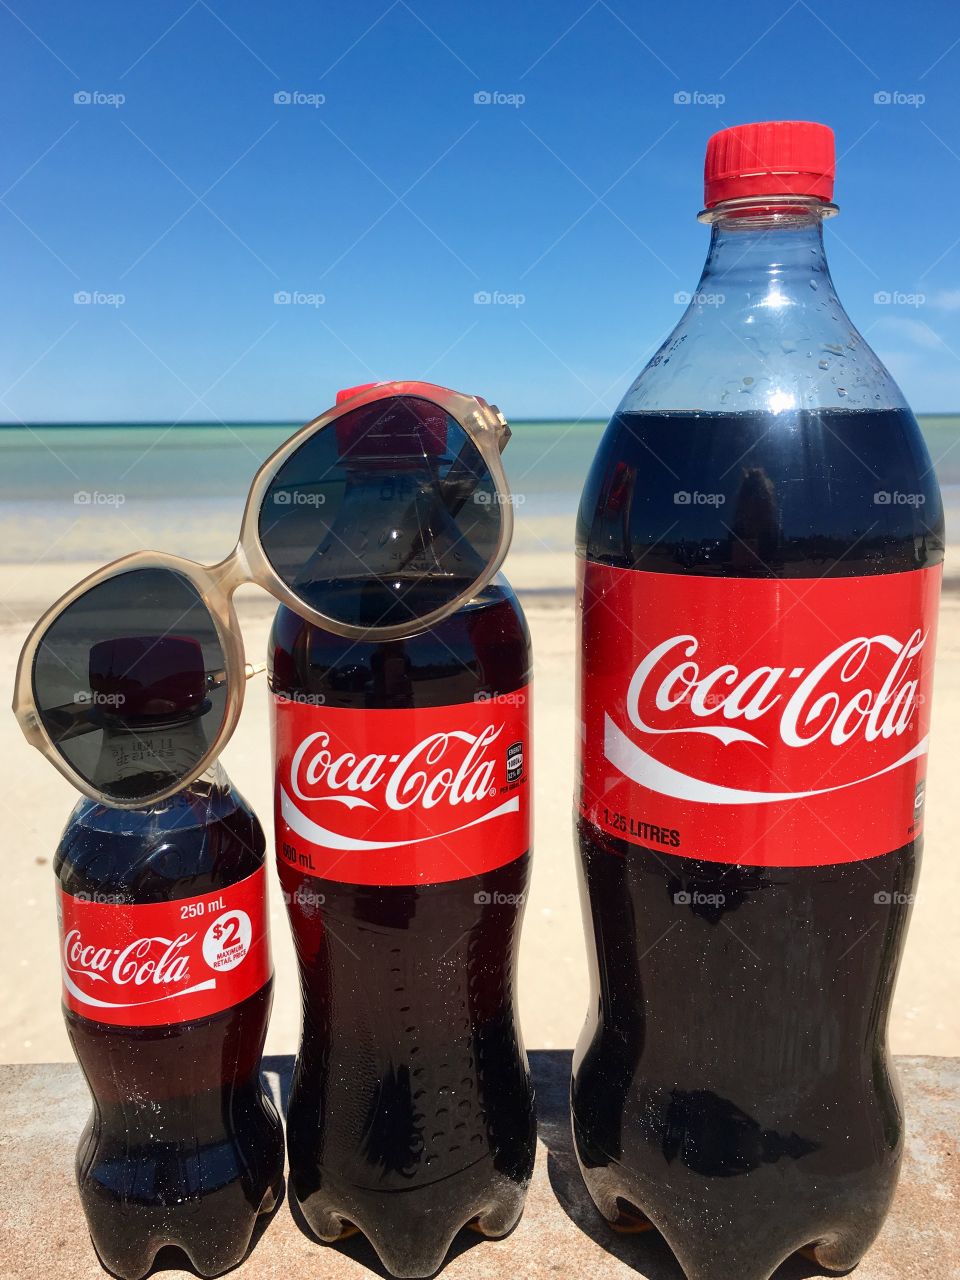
(453, 769)
(444, 767)
(834, 700)
(153, 963)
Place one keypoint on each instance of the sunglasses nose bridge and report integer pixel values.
(228, 574)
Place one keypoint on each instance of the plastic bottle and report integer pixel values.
(167, 987)
(760, 540)
(403, 846)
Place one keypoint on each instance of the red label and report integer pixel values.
(765, 722)
(164, 962)
(411, 796)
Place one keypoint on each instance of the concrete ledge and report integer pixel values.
(43, 1233)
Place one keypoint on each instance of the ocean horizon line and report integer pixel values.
(121, 423)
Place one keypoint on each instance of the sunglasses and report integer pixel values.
(375, 521)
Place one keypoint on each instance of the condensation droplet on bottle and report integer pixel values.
(748, 382)
(823, 364)
(814, 285)
(841, 391)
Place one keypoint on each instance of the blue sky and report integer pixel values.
(381, 197)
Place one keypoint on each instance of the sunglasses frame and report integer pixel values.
(248, 562)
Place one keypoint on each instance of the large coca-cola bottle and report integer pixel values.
(759, 544)
(403, 838)
(167, 987)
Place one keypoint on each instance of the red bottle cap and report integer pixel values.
(398, 427)
(148, 677)
(775, 157)
(347, 392)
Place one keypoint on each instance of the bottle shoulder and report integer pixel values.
(201, 839)
(483, 647)
(749, 356)
(764, 331)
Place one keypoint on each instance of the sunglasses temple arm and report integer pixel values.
(250, 669)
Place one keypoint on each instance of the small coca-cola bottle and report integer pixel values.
(167, 986)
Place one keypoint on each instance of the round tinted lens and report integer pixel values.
(130, 685)
(384, 516)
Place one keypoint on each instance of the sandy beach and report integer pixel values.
(35, 803)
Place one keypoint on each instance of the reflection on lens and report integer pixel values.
(384, 516)
(129, 683)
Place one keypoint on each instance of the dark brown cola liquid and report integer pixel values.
(411, 1111)
(733, 1084)
(184, 1147)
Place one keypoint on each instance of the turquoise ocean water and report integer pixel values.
(90, 492)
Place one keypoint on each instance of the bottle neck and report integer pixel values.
(771, 254)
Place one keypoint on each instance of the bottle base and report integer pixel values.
(832, 1256)
(630, 1222)
(411, 1231)
(715, 1253)
(207, 1256)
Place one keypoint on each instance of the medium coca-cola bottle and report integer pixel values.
(403, 847)
(167, 986)
(759, 543)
